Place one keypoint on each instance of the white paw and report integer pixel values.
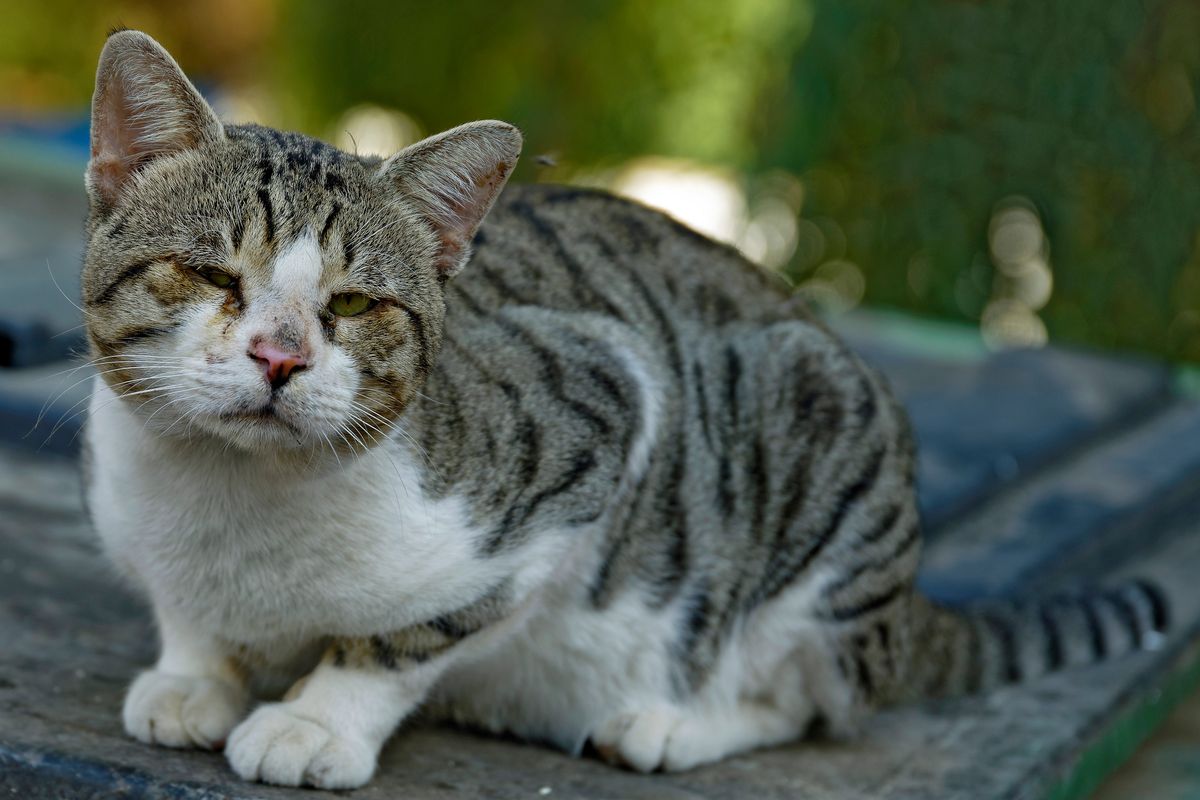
(662, 738)
(275, 745)
(690, 743)
(177, 711)
(636, 739)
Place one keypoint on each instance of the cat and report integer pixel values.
(610, 486)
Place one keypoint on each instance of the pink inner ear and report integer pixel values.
(466, 212)
(112, 154)
(115, 150)
(145, 109)
(452, 246)
(464, 217)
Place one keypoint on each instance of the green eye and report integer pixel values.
(350, 304)
(218, 278)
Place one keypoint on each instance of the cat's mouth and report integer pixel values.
(266, 413)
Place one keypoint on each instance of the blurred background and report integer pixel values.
(1028, 167)
(980, 174)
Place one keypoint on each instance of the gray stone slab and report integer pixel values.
(983, 421)
(1168, 768)
(1113, 495)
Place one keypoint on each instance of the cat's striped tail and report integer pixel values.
(965, 650)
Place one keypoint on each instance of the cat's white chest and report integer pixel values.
(252, 556)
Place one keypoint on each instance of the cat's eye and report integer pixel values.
(218, 278)
(350, 304)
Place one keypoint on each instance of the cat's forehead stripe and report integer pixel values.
(297, 269)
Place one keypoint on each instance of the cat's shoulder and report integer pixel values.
(581, 209)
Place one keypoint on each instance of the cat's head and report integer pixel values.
(262, 287)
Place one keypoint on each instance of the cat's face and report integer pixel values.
(265, 288)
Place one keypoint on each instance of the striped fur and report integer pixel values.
(610, 484)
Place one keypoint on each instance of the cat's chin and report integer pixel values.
(258, 432)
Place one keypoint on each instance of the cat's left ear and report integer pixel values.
(144, 108)
(453, 178)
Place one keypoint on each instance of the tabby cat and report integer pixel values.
(608, 486)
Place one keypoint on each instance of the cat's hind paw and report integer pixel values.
(275, 745)
(673, 740)
(179, 711)
(636, 740)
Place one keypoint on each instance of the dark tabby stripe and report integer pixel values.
(866, 407)
(334, 210)
(139, 334)
(602, 582)
(871, 604)
(385, 653)
(1054, 653)
(665, 328)
(696, 623)
(264, 198)
(502, 287)
(553, 376)
(611, 389)
(1095, 627)
(446, 626)
(550, 238)
(670, 515)
(975, 664)
(334, 183)
(729, 429)
(127, 274)
(1160, 617)
(702, 402)
(526, 436)
(1006, 638)
(862, 672)
(883, 525)
(847, 498)
(467, 300)
(118, 227)
(757, 472)
(879, 564)
(883, 634)
(238, 232)
(1059, 626)
(1126, 614)
(520, 513)
(424, 355)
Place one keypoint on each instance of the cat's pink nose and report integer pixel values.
(277, 364)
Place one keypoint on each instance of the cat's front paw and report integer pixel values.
(275, 745)
(178, 711)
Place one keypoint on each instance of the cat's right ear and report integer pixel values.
(144, 108)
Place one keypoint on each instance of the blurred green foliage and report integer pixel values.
(906, 125)
(916, 118)
(599, 81)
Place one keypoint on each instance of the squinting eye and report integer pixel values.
(350, 304)
(218, 278)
